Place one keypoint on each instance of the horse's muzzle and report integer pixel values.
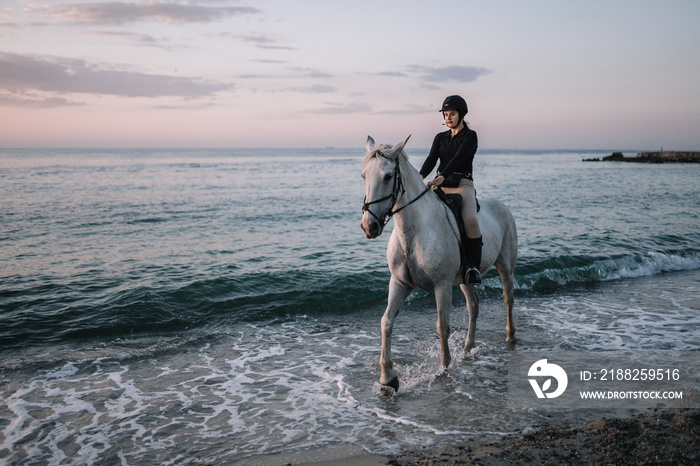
(371, 227)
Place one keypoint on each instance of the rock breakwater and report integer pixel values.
(652, 157)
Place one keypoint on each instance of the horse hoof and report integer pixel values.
(390, 388)
(386, 390)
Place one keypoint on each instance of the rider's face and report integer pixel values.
(451, 118)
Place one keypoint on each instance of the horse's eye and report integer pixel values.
(387, 177)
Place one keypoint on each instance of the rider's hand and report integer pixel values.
(437, 181)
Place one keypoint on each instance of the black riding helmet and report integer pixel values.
(455, 102)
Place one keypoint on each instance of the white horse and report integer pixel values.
(423, 251)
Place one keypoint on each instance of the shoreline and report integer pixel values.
(660, 436)
(657, 437)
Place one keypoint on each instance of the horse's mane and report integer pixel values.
(408, 171)
(382, 150)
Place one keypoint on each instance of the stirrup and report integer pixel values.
(473, 276)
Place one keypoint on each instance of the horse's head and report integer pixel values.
(383, 184)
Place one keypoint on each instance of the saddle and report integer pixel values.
(454, 202)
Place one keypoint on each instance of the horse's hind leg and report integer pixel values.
(397, 296)
(473, 309)
(508, 298)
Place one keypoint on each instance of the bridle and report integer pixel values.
(397, 191)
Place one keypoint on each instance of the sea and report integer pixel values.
(223, 306)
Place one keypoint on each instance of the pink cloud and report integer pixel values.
(124, 13)
(21, 73)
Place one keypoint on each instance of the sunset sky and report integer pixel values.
(215, 73)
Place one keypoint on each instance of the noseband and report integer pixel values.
(397, 191)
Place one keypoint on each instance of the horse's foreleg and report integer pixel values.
(397, 296)
(443, 298)
(508, 299)
(473, 309)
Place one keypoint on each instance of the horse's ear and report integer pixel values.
(369, 144)
(399, 147)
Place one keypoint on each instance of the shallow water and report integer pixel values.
(156, 308)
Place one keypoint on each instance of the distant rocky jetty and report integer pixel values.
(652, 157)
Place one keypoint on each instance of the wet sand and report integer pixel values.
(669, 437)
(659, 437)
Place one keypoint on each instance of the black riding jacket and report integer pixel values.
(456, 153)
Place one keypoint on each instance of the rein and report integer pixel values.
(396, 192)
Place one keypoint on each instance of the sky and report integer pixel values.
(609, 75)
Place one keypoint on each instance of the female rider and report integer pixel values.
(455, 148)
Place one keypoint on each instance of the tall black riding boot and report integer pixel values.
(474, 250)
